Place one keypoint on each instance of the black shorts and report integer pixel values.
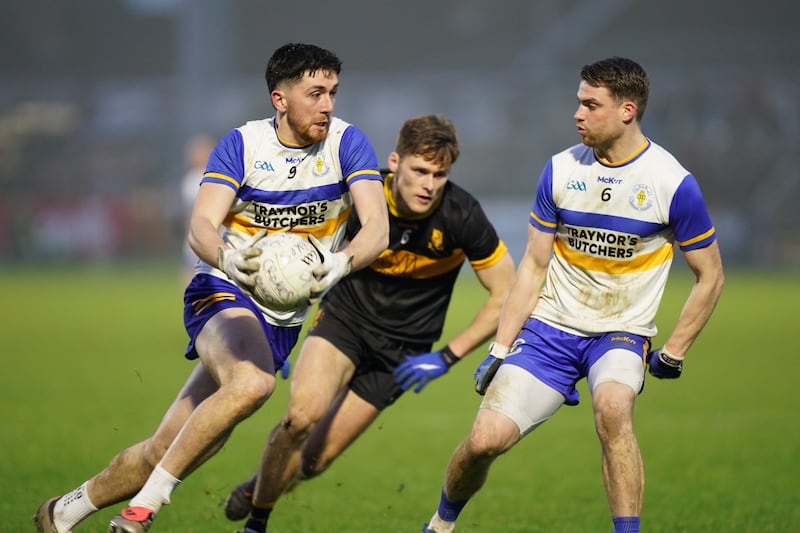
(374, 355)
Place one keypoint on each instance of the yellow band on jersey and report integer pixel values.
(638, 263)
(403, 263)
(492, 259)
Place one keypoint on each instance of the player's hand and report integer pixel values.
(488, 368)
(240, 264)
(421, 369)
(334, 267)
(286, 369)
(663, 365)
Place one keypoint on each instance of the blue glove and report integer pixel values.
(423, 368)
(663, 366)
(286, 368)
(488, 368)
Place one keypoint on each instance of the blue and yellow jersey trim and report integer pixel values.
(704, 239)
(362, 174)
(222, 179)
(549, 227)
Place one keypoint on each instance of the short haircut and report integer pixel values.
(433, 137)
(292, 61)
(624, 78)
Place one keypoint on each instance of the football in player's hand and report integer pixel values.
(283, 282)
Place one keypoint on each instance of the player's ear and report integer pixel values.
(278, 100)
(394, 160)
(628, 111)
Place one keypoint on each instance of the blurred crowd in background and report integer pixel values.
(101, 100)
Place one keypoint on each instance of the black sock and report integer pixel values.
(257, 521)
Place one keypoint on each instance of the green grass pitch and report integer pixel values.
(91, 358)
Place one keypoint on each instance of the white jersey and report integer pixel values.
(300, 189)
(615, 226)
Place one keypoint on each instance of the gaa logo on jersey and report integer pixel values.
(641, 197)
(320, 166)
(576, 185)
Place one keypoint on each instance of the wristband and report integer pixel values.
(449, 357)
(498, 351)
(667, 359)
(221, 258)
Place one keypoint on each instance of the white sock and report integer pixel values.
(156, 491)
(441, 526)
(72, 507)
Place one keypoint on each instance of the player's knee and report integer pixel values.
(612, 415)
(485, 444)
(248, 391)
(152, 452)
(296, 425)
(492, 434)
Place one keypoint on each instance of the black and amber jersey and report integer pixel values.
(405, 292)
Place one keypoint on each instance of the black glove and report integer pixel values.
(663, 366)
(488, 368)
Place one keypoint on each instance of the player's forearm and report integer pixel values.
(496, 279)
(695, 314)
(523, 294)
(204, 239)
(519, 304)
(373, 214)
(480, 330)
(367, 244)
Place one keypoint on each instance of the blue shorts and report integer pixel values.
(207, 295)
(560, 359)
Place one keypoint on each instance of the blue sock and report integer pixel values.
(449, 510)
(626, 524)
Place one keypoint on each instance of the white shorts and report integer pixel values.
(529, 402)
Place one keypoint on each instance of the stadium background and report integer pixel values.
(98, 98)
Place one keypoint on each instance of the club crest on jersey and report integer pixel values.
(437, 240)
(320, 166)
(641, 197)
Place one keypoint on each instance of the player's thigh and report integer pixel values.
(522, 398)
(321, 373)
(233, 343)
(614, 381)
(617, 365)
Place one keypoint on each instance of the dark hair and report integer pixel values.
(624, 78)
(431, 136)
(292, 61)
